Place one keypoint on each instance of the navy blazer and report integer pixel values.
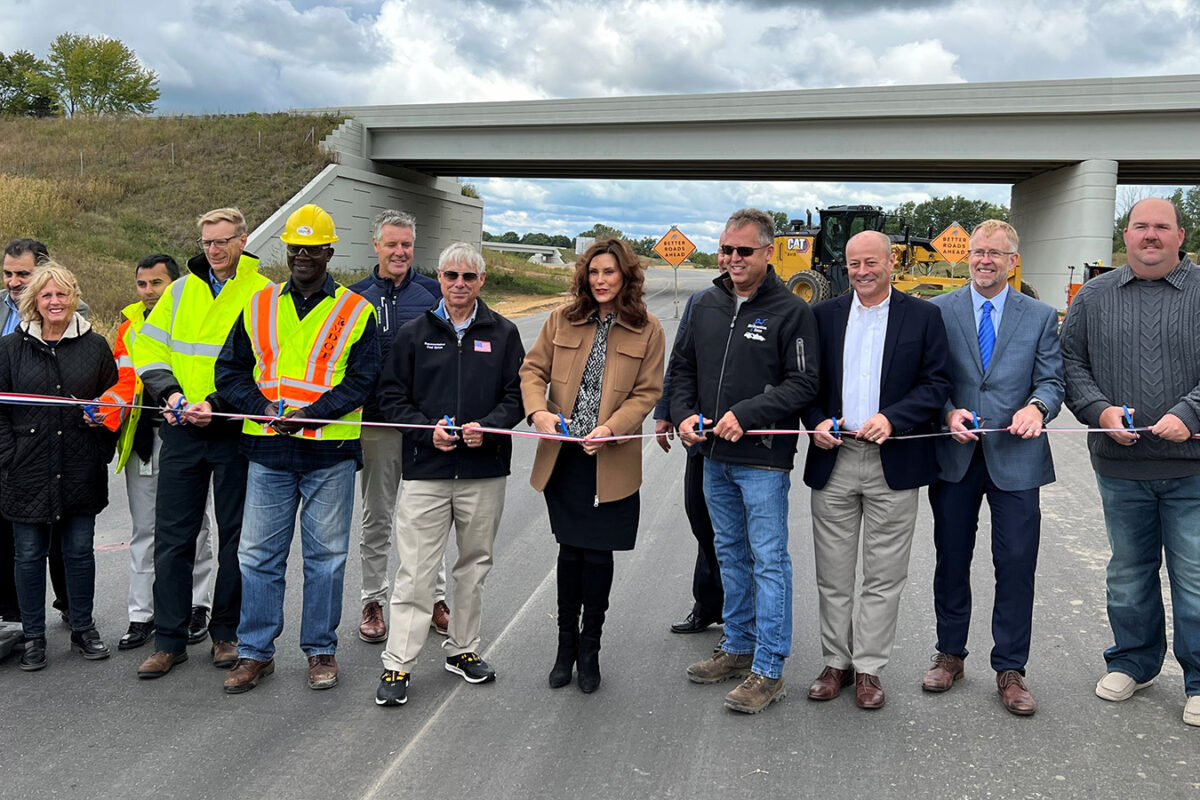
(914, 385)
(1026, 363)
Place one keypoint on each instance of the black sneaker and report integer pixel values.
(34, 657)
(198, 625)
(138, 634)
(393, 688)
(471, 667)
(88, 643)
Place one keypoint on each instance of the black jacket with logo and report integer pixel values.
(758, 361)
(430, 374)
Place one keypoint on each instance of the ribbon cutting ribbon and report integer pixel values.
(16, 398)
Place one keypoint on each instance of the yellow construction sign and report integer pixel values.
(674, 247)
(953, 243)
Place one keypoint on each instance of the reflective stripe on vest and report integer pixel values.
(302, 364)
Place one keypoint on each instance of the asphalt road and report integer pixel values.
(92, 729)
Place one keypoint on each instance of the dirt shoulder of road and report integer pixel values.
(515, 306)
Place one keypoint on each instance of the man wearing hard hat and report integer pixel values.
(175, 354)
(302, 358)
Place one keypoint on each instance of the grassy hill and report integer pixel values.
(103, 193)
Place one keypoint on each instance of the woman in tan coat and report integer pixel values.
(598, 362)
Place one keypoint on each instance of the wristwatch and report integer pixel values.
(1040, 406)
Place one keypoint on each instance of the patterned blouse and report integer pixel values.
(585, 415)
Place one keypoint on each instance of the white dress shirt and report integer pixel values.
(862, 361)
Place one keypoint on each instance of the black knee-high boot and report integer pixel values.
(597, 583)
(570, 599)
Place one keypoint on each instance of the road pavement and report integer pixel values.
(92, 729)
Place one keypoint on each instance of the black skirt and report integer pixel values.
(575, 518)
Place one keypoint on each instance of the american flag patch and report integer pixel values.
(483, 347)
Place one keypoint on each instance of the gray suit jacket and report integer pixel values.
(1026, 363)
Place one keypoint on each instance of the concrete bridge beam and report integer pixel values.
(1064, 217)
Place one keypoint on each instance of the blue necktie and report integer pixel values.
(987, 334)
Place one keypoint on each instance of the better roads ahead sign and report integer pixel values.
(952, 244)
(674, 247)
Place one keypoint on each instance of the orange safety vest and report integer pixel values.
(299, 360)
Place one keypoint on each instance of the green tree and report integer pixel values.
(706, 260)
(24, 88)
(539, 239)
(644, 246)
(780, 217)
(939, 212)
(98, 75)
(562, 241)
(508, 237)
(602, 231)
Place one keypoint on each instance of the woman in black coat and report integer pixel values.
(53, 458)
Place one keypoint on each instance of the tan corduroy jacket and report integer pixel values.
(632, 384)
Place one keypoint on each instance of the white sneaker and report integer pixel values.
(1191, 711)
(1117, 686)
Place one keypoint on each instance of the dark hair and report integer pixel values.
(159, 258)
(630, 305)
(19, 247)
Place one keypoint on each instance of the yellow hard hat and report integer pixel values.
(309, 224)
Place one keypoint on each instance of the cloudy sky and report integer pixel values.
(268, 55)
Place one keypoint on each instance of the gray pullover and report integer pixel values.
(1133, 342)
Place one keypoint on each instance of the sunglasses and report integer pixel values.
(745, 251)
(452, 276)
(310, 250)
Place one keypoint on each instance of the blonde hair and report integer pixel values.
(231, 215)
(49, 271)
(990, 226)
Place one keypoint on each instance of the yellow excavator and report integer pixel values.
(812, 260)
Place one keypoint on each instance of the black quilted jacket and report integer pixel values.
(53, 465)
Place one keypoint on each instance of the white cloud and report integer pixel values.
(267, 55)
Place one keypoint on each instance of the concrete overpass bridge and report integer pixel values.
(1063, 146)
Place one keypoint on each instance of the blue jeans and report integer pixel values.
(1144, 519)
(326, 501)
(31, 542)
(749, 510)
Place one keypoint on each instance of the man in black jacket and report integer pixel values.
(747, 362)
(884, 373)
(399, 293)
(454, 368)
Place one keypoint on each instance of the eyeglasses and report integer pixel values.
(220, 244)
(452, 276)
(745, 251)
(310, 250)
(994, 255)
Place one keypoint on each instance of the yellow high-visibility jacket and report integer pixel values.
(187, 328)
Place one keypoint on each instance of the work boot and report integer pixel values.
(721, 667)
(755, 693)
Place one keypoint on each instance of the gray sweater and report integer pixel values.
(1134, 342)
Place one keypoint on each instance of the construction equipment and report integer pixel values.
(1089, 271)
(812, 260)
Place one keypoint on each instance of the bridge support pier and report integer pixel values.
(1060, 215)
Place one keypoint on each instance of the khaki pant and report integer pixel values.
(424, 515)
(382, 449)
(856, 498)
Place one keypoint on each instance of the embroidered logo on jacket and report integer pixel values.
(756, 329)
(483, 347)
(435, 345)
